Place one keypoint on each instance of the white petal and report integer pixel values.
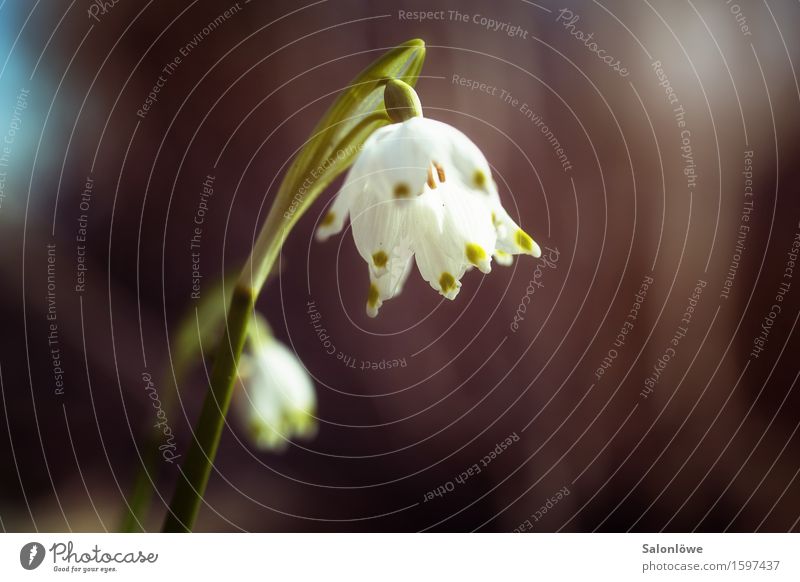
(354, 185)
(439, 268)
(379, 228)
(278, 399)
(467, 164)
(390, 283)
(401, 162)
(503, 258)
(333, 221)
(511, 238)
(467, 229)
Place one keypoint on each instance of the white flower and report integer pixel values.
(276, 400)
(422, 188)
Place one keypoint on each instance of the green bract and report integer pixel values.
(332, 147)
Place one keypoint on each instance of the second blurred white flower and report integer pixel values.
(276, 399)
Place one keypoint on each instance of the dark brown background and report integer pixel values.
(703, 452)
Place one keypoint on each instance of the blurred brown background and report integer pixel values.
(713, 447)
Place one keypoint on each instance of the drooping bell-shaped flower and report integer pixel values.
(276, 401)
(420, 189)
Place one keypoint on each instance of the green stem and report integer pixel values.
(196, 469)
(142, 491)
(139, 498)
